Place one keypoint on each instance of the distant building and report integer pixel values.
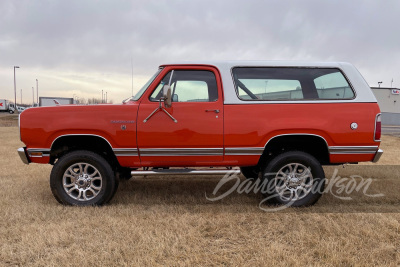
(389, 102)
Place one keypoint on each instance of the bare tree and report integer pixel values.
(80, 100)
(92, 101)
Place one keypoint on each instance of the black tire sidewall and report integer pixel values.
(295, 157)
(108, 179)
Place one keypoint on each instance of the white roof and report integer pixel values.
(259, 63)
(361, 87)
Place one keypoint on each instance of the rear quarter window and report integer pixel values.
(289, 83)
(333, 86)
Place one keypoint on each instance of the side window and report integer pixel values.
(271, 89)
(333, 86)
(290, 83)
(190, 91)
(189, 86)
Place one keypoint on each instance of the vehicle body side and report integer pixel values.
(238, 135)
(42, 127)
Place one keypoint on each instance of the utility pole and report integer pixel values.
(33, 97)
(37, 91)
(15, 90)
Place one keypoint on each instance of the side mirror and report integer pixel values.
(167, 96)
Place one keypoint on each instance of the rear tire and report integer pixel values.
(83, 178)
(294, 178)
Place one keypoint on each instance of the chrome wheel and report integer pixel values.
(293, 181)
(82, 181)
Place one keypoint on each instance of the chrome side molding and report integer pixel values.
(144, 152)
(353, 149)
(125, 152)
(246, 151)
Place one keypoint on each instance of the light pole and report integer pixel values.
(33, 97)
(379, 83)
(21, 96)
(37, 91)
(15, 91)
(106, 97)
(102, 96)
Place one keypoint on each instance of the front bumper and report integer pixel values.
(378, 155)
(22, 155)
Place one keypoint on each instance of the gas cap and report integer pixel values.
(354, 126)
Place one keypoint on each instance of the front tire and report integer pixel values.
(294, 178)
(82, 178)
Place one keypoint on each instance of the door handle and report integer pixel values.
(212, 110)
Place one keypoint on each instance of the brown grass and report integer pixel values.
(169, 222)
(8, 120)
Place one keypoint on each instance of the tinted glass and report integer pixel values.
(333, 86)
(290, 84)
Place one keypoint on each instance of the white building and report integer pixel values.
(389, 102)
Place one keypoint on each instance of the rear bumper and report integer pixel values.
(22, 155)
(378, 155)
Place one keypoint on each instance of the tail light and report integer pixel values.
(378, 125)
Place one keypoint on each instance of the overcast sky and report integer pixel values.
(82, 47)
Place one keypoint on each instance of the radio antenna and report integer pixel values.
(132, 73)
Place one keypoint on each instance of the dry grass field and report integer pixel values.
(169, 221)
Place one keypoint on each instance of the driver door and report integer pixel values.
(195, 138)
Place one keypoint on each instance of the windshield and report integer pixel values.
(143, 89)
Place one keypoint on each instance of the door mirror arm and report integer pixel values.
(160, 108)
(167, 99)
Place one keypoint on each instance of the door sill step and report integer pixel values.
(185, 172)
